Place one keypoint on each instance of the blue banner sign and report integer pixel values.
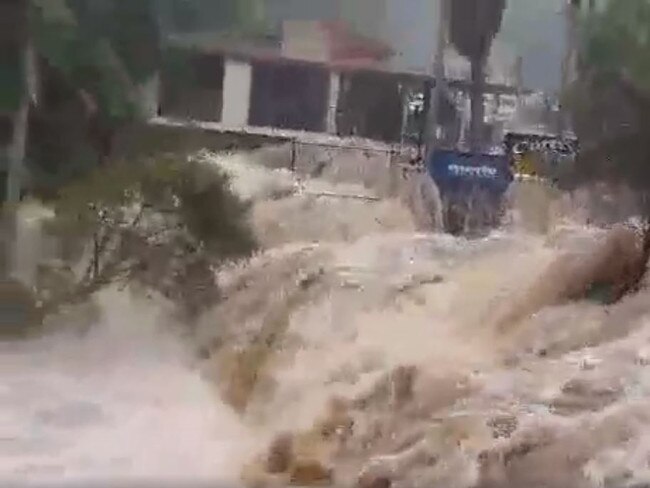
(458, 173)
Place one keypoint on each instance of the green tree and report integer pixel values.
(89, 59)
(69, 71)
(93, 59)
(14, 51)
(225, 16)
(162, 223)
(611, 98)
(473, 27)
(97, 56)
(610, 104)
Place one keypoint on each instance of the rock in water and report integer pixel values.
(280, 455)
(605, 272)
(402, 379)
(371, 481)
(336, 422)
(310, 473)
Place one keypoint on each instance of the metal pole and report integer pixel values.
(439, 88)
(425, 115)
(569, 67)
(293, 156)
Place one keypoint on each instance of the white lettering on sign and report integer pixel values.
(550, 145)
(473, 171)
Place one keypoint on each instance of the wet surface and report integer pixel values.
(116, 404)
(558, 399)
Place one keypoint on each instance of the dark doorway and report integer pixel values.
(370, 106)
(193, 88)
(289, 96)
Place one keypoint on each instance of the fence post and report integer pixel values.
(393, 173)
(293, 155)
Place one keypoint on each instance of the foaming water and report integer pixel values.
(503, 382)
(394, 301)
(124, 402)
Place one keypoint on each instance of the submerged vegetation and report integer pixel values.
(163, 223)
(610, 104)
(72, 80)
(160, 225)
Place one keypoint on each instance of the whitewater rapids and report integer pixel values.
(346, 294)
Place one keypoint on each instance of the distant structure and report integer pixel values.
(322, 76)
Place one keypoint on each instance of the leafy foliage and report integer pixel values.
(198, 194)
(93, 57)
(474, 25)
(617, 41)
(13, 33)
(11, 81)
(133, 31)
(163, 223)
(611, 104)
(103, 47)
(235, 16)
(611, 99)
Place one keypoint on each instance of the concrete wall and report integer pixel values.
(236, 92)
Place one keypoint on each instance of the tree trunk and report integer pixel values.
(17, 147)
(440, 88)
(478, 107)
(15, 170)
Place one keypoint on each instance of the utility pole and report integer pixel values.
(570, 65)
(439, 75)
(519, 79)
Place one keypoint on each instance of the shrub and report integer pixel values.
(161, 223)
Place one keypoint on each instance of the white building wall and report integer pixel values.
(333, 102)
(237, 84)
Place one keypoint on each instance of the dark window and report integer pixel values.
(289, 96)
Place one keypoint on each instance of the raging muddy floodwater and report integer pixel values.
(557, 396)
(121, 403)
